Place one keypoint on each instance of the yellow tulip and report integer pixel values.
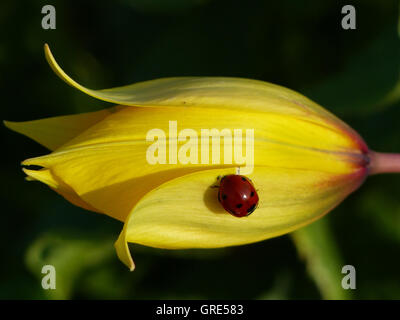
(305, 160)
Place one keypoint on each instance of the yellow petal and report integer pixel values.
(45, 176)
(209, 92)
(184, 212)
(54, 132)
(107, 167)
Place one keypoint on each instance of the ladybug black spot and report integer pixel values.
(239, 205)
(252, 194)
(244, 179)
(224, 196)
(251, 209)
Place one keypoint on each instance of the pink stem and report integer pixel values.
(384, 162)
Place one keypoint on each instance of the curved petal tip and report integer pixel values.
(121, 245)
(57, 69)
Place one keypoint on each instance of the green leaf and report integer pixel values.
(70, 255)
(315, 244)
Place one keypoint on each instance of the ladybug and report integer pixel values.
(237, 195)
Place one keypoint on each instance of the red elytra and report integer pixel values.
(237, 195)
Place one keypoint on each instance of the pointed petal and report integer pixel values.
(206, 92)
(45, 176)
(123, 253)
(56, 131)
(185, 213)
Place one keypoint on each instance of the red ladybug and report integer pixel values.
(237, 195)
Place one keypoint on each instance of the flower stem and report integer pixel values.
(384, 162)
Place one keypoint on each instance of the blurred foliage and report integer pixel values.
(365, 87)
(298, 44)
(70, 256)
(317, 247)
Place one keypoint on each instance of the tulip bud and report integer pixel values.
(152, 161)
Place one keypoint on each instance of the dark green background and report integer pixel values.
(297, 44)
